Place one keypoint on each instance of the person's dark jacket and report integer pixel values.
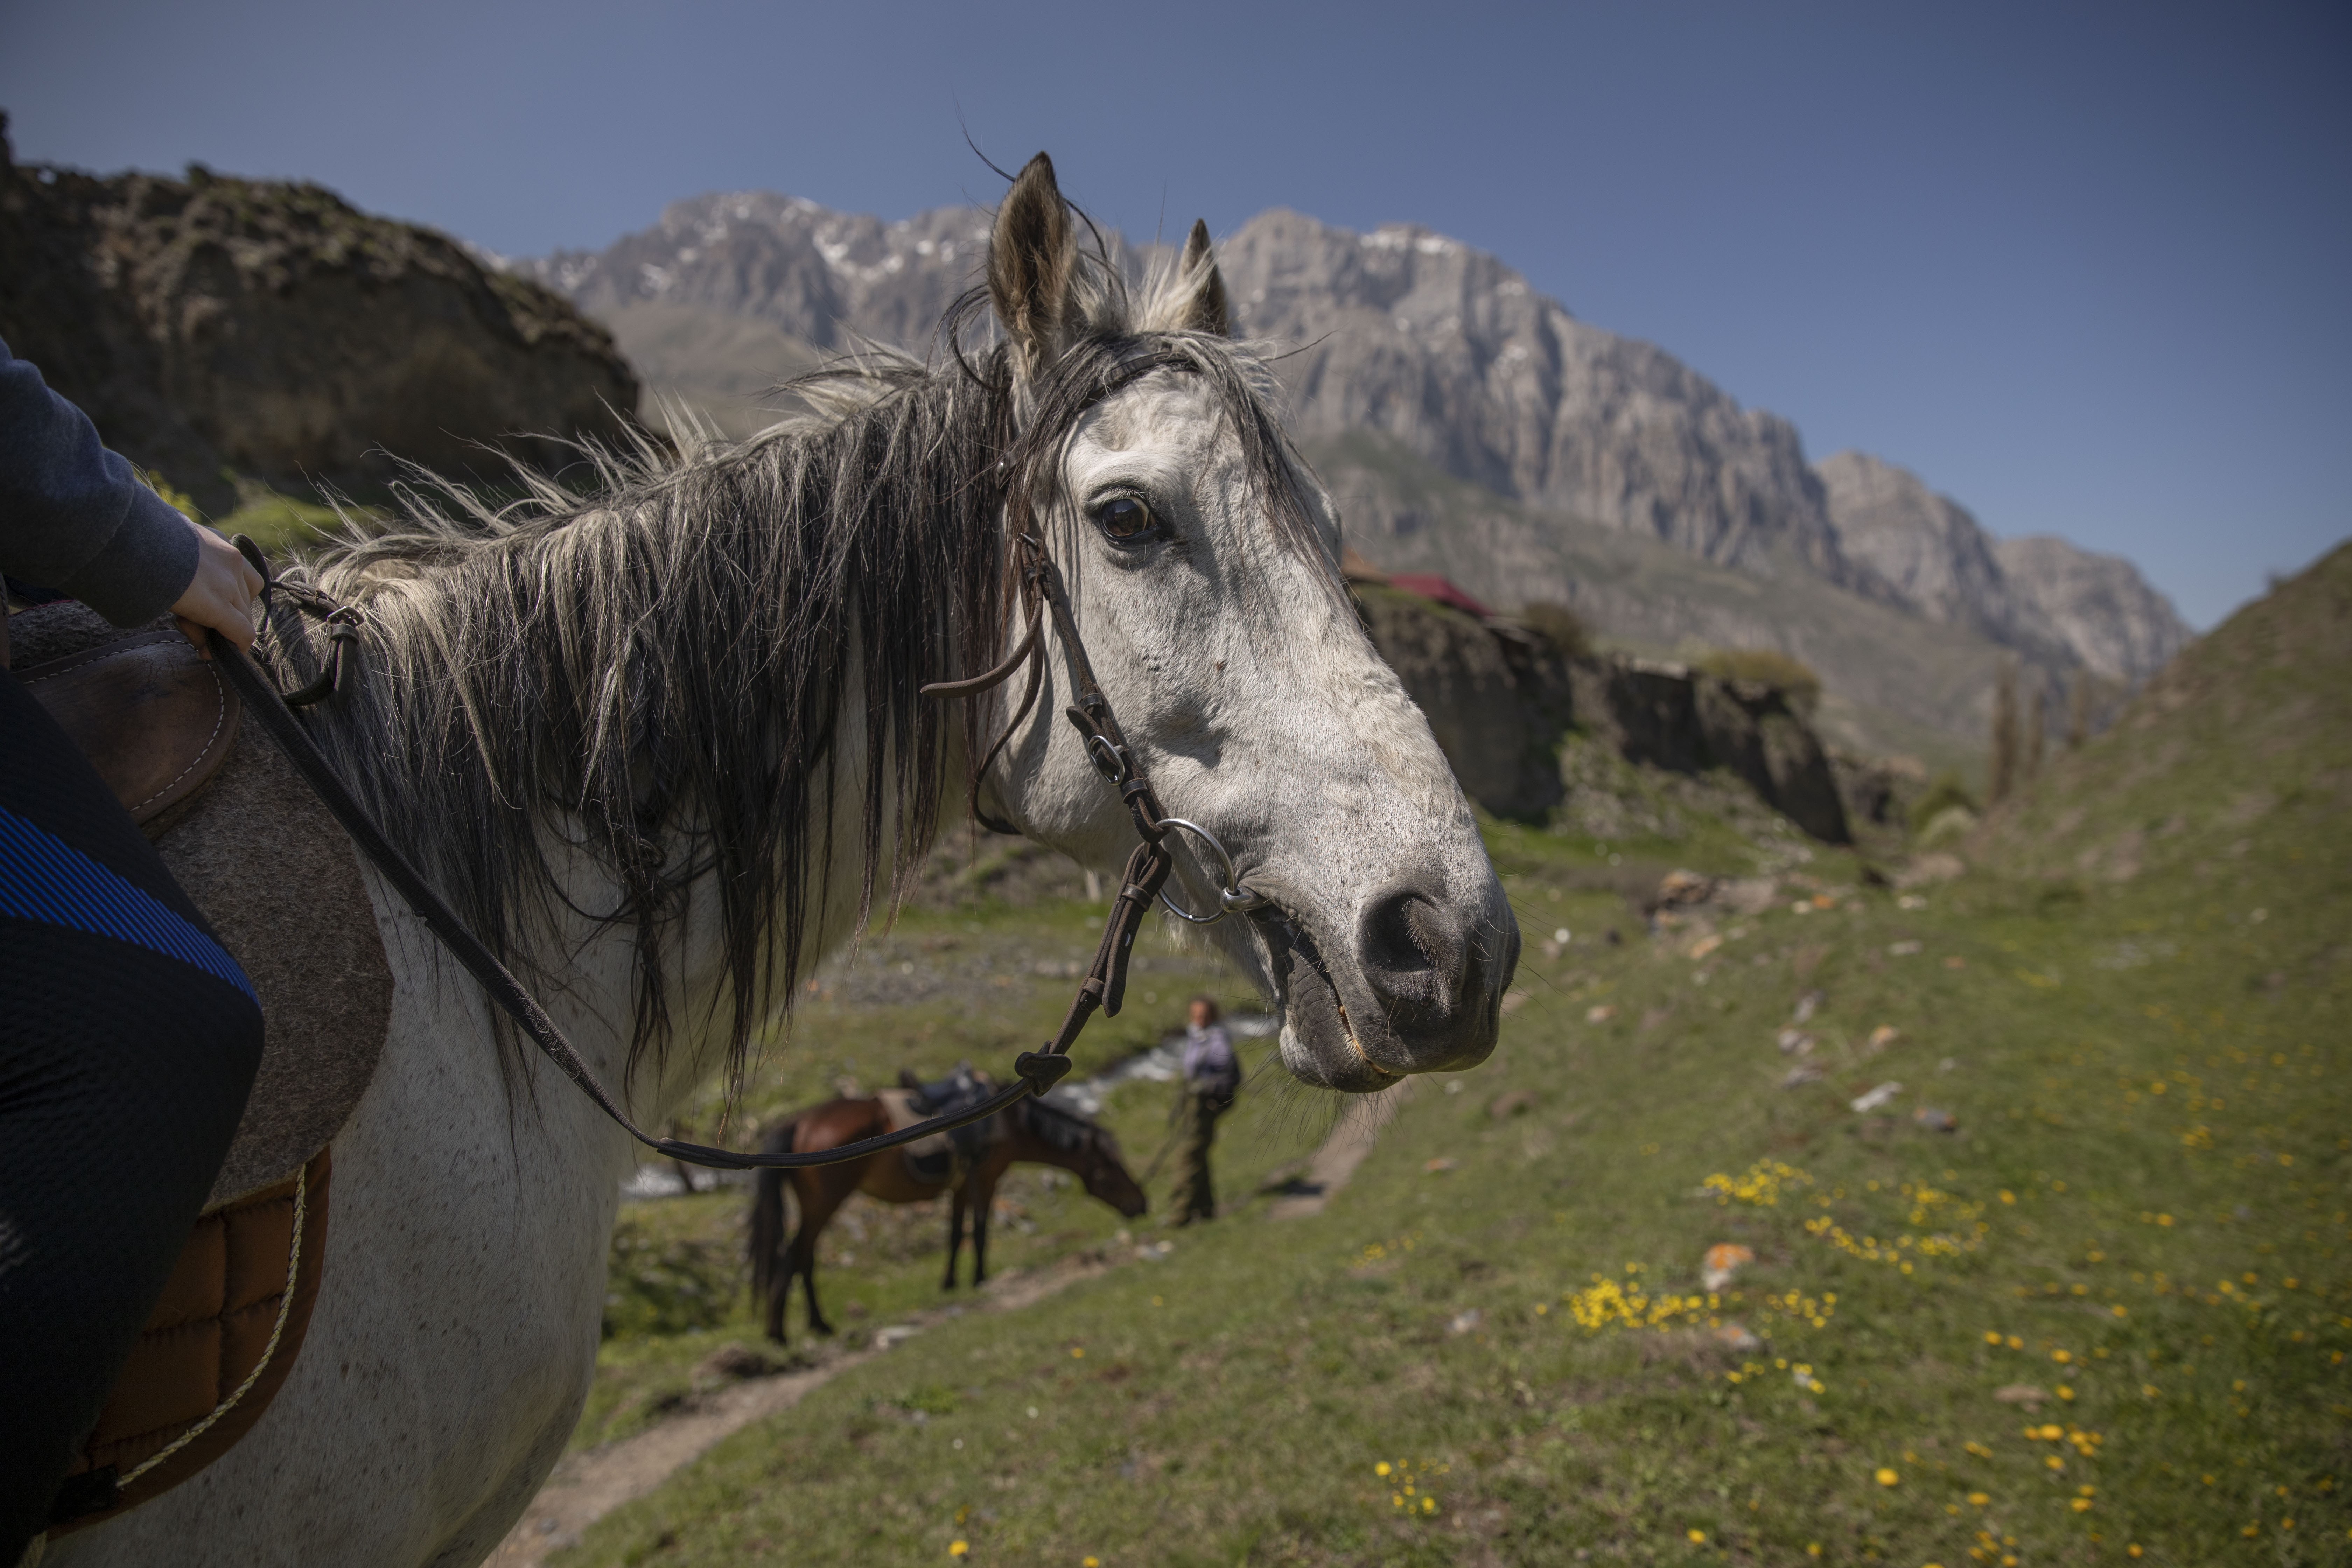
(73, 515)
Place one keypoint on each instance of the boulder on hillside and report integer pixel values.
(215, 327)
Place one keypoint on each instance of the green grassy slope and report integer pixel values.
(2102, 1320)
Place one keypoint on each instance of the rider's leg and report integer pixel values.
(128, 1040)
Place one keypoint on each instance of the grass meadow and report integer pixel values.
(2070, 1286)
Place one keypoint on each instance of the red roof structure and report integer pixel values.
(1439, 590)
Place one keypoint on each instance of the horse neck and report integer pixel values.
(462, 781)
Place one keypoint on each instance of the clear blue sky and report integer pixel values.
(2088, 269)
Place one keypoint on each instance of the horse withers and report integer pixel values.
(1033, 1132)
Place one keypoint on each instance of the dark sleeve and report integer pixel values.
(74, 517)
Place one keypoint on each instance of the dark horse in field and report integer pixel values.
(1032, 1131)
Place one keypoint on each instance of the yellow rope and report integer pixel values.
(285, 1309)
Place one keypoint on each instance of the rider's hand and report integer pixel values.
(222, 595)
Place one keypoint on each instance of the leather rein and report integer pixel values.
(1036, 1072)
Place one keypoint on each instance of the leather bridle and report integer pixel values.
(1036, 1072)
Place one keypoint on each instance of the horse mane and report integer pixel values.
(653, 667)
(1059, 1127)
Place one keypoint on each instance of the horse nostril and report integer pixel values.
(1412, 949)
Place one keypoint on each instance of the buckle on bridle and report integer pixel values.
(1111, 762)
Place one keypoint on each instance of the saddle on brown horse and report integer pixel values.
(162, 728)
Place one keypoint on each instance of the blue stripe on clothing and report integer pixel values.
(43, 878)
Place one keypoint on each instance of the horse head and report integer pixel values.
(1201, 558)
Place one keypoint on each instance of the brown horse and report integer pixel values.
(1032, 1131)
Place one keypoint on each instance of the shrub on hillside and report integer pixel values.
(1945, 793)
(1559, 625)
(1766, 666)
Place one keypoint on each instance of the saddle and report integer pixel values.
(936, 1160)
(281, 887)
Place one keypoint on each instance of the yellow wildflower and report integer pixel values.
(958, 1548)
(1886, 1477)
(1698, 1536)
(1382, 1468)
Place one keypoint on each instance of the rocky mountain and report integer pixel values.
(216, 327)
(2099, 605)
(2042, 596)
(1470, 426)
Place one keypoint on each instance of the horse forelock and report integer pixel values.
(653, 668)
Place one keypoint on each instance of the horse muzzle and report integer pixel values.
(1414, 983)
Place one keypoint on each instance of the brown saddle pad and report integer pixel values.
(153, 717)
(270, 868)
(215, 1352)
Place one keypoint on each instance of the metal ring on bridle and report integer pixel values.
(1232, 898)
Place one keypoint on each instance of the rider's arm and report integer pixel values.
(73, 517)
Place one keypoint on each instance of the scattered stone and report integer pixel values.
(1748, 895)
(1801, 907)
(1902, 949)
(1801, 1075)
(1705, 945)
(1807, 1005)
(733, 1363)
(1884, 1036)
(1910, 901)
(1602, 1013)
(1515, 998)
(1563, 936)
(2020, 1393)
(1467, 1319)
(1955, 962)
(1795, 1043)
(1885, 1092)
(1438, 1166)
(1511, 1103)
(1685, 888)
(1736, 1336)
(1722, 1262)
(1936, 1121)
(897, 1333)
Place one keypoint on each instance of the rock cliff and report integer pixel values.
(213, 327)
(1500, 702)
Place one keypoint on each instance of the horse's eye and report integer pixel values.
(1124, 520)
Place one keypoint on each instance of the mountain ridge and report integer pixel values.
(1447, 353)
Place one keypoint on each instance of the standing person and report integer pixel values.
(128, 1037)
(1211, 1077)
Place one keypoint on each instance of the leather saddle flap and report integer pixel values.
(275, 875)
(154, 717)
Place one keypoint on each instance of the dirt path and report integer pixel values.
(586, 1487)
(1341, 1152)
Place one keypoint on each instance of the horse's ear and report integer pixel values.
(1033, 263)
(1201, 288)
(1194, 299)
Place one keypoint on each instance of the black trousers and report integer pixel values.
(128, 1042)
(1195, 1197)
